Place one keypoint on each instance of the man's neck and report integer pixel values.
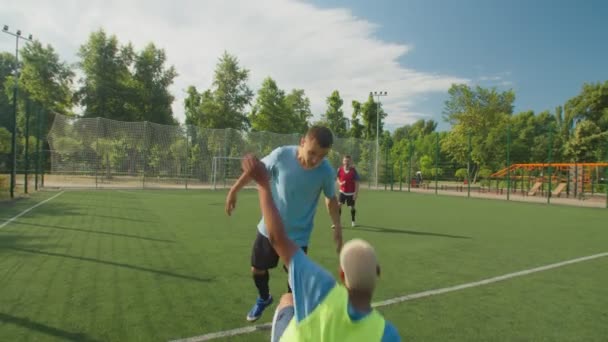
(360, 302)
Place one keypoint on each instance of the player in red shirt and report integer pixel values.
(348, 180)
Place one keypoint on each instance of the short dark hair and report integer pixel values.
(322, 135)
(348, 156)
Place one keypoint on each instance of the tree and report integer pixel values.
(587, 143)
(356, 128)
(192, 105)
(223, 105)
(270, 112)
(369, 112)
(152, 80)
(483, 114)
(5, 140)
(298, 106)
(106, 88)
(7, 68)
(591, 104)
(45, 79)
(334, 116)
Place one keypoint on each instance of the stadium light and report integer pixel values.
(17, 36)
(377, 94)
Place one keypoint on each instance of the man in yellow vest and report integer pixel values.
(320, 309)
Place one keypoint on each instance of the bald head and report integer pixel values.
(360, 266)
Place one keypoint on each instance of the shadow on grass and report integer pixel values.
(91, 231)
(111, 263)
(45, 329)
(405, 231)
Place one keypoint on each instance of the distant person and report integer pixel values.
(348, 181)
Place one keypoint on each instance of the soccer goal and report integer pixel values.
(225, 171)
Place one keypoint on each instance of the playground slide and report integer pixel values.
(559, 189)
(535, 188)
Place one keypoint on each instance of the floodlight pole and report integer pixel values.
(377, 94)
(17, 36)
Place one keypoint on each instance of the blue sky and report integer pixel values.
(544, 50)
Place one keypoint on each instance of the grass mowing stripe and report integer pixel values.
(247, 330)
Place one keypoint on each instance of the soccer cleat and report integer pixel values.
(258, 309)
(354, 224)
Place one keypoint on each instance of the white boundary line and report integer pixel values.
(250, 329)
(28, 210)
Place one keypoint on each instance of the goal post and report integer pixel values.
(225, 171)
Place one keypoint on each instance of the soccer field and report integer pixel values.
(147, 265)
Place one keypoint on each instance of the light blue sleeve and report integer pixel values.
(272, 159)
(390, 333)
(329, 183)
(310, 283)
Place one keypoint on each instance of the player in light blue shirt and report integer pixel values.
(320, 309)
(298, 176)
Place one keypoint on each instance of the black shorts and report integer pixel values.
(263, 255)
(348, 199)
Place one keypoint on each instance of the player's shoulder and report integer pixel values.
(390, 333)
(282, 151)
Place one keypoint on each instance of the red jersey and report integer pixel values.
(347, 180)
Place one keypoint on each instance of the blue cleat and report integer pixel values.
(258, 309)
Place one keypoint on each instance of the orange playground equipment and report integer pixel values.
(575, 179)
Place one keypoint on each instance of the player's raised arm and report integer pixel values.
(277, 235)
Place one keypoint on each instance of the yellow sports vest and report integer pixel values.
(330, 322)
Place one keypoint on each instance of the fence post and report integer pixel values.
(386, 174)
(469, 168)
(38, 123)
(606, 177)
(146, 153)
(409, 168)
(187, 170)
(436, 163)
(97, 152)
(401, 175)
(27, 143)
(549, 162)
(509, 159)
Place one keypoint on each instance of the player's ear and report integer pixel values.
(341, 273)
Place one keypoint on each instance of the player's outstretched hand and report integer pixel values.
(253, 167)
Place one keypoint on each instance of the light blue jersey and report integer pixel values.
(311, 284)
(296, 191)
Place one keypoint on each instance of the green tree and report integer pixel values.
(591, 104)
(369, 112)
(7, 68)
(587, 142)
(223, 105)
(334, 116)
(298, 106)
(5, 140)
(483, 114)
(270, 112)
(356, 128)
(107, 88)
(152, 80)
(45, 79)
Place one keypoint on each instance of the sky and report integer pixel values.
(412, 49)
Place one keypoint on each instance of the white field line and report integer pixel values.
(253, 328)
(28, 210)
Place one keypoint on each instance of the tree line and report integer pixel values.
(115, 81)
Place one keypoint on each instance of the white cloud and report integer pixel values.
(296, 43)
